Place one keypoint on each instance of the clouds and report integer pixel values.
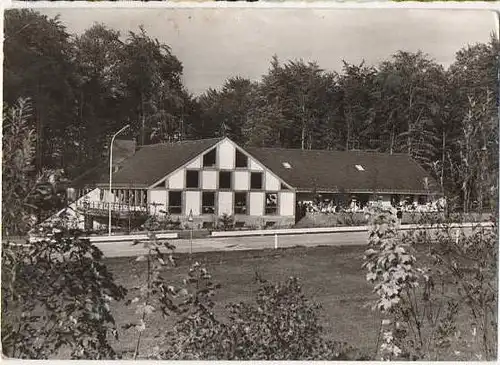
(216, 43)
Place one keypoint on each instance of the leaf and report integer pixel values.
(141, 258)
(126, 326)
(141, 327)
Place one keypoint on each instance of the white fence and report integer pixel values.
(290, 231)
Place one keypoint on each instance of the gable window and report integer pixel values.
(175, 202)
(192, 179)
(241, 159)
(209, 158)
(208, 202)
(271, 203)
(240, 203)
(256, 180)
(225, 180)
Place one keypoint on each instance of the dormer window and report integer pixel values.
(359, 168)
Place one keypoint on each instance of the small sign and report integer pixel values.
(190, 216)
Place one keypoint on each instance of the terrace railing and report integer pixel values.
(115, 207)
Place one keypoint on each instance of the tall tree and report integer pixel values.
(226, 111)
(474, 92)
(155, 96)
(97, 55)
(415, 84)
(302, 95)
(37, 65)
(359, 94)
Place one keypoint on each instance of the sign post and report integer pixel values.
(190, 220)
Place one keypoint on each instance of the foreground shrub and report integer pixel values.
(55, 297)
(282, 324)
(420, 304)
(153, 293)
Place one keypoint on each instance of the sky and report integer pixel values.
(214, 44)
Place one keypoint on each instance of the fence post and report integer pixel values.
(275, 241)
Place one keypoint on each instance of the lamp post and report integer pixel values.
(111, 173)
(190, 220)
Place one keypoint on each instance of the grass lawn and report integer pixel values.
(331, 276)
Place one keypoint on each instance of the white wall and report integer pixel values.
(209, 180)
(108, 197)
(255, 166)
(158, 196)
(93, 195)
(225, 201)
(256, 203)
(241, 180)
(226, 156)
(176, 180)
(192, 202)
(272, 183)
(287, 203)
(196, 164)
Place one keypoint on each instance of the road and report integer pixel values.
(120, 249)
(125, 249)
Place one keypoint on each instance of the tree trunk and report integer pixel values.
(443, 150)
(143, 120)
(303, 137)
(392, 141)
(348, 119)
(465, 191)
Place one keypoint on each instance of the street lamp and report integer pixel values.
(190, 220)
(111, 173)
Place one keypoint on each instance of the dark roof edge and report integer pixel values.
(217, 139)
(341, 151)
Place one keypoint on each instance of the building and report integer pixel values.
(259, 187)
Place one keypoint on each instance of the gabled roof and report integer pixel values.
(336, 171)
(153, 162)
(304, 170)
(123, 149)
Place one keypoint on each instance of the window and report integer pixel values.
(241, 159)
(256, 180)
(240, 203)
(192, 179)
(422, 199)
(271, 203)
(144, 198)
(208, 202)
(286, 165)
(175, 202)
(209, 158)
(225, 180)
(360, 168)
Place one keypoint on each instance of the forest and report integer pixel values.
(83, 88)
